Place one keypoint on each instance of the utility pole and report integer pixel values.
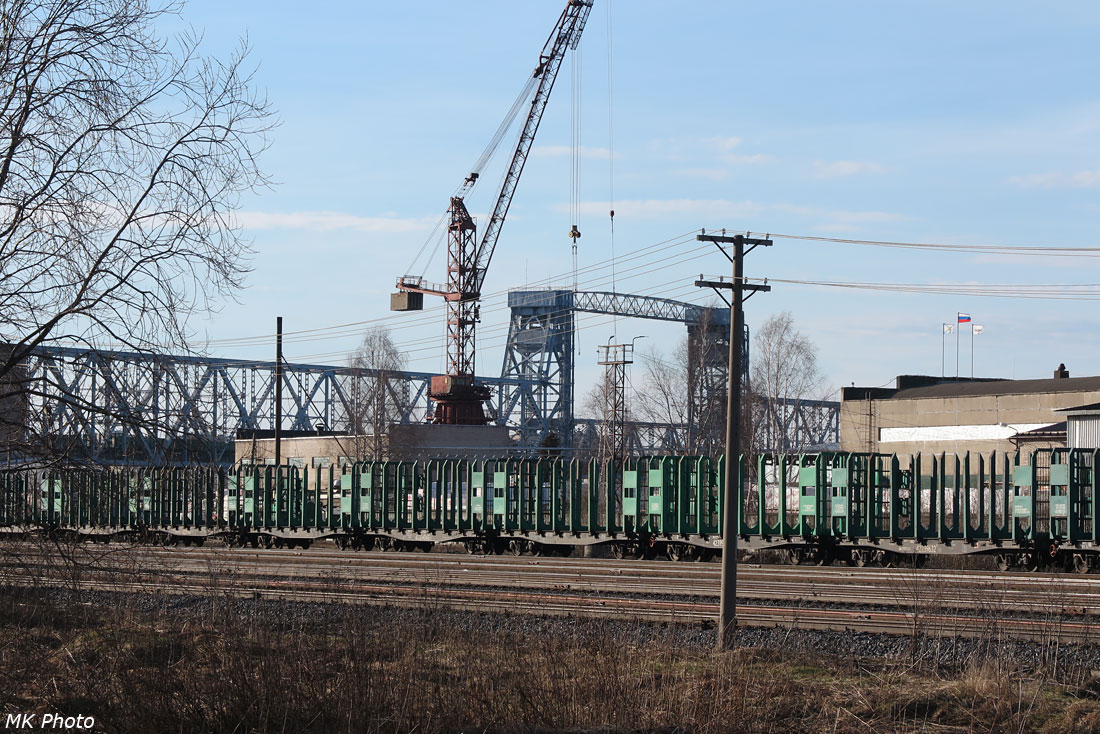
(727, 615)
(278, 390)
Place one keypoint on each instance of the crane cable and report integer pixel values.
(437, 233)
(575, 92)
(611, 142)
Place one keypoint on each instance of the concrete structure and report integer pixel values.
(407, 442)
(932, 414)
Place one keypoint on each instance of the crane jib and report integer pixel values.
(458, 399)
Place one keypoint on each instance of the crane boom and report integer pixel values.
(458, 400)
(566, 35)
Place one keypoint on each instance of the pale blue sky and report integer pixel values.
(971, 123)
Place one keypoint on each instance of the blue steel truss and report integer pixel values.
(141, 404)
(540, 354)
(147, 406)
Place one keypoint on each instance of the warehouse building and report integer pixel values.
(955, 415)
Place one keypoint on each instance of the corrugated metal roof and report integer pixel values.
(1000, 387)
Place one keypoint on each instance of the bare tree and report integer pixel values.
(123, 156)
(375, 394)
(689, 387)
(664, 397)
(784, 373)
(600, 403)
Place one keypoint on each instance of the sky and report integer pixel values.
(927, 122)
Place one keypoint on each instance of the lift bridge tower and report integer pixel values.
(540, 354)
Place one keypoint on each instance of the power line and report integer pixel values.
(1033, 250)
(1041, 291)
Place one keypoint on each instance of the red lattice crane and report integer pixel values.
(459, 400)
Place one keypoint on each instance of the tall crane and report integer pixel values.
(459, 401)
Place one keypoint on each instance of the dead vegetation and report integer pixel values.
(149, 663)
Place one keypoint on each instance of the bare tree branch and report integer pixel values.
(123, 156)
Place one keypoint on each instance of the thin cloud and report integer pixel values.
(330, 222)
(714, 174)
(756, 158)
(1079, 180)
(555, 151)
(839, 169)
(839, 221)
(722, 143)
(653, 208)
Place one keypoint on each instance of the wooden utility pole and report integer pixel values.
(727, 615)
(278, 390)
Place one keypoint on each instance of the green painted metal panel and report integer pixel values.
(1021, 476)
(807, 476)
(630, 479)
(1059, 475)
(656, 478)
(656, 505)
(840, 477)
(840, 507)
(630, 506)
(807, 505)
(1021, 506)
(1059, 506)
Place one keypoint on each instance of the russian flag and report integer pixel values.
(964, 318)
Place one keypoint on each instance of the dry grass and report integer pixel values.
(161, 663)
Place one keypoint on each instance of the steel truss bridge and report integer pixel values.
(151, 407)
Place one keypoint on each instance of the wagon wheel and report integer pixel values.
(1079, 563)
(515, 547)
(537, 549)
(860, 558)
(674, 551)
(618, 552)
(1001, 561)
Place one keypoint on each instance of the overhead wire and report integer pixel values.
(1043, 291)
(599, 318)
(671, 243)
(1033, 250)
(414, 345)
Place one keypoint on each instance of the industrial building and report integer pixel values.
(954, 415)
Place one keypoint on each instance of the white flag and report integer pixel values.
(948, 328)
(978, 328)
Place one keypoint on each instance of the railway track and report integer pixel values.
(966, 604)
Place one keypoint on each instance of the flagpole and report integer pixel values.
(943, 348)
(956, 346)
(971, 350)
